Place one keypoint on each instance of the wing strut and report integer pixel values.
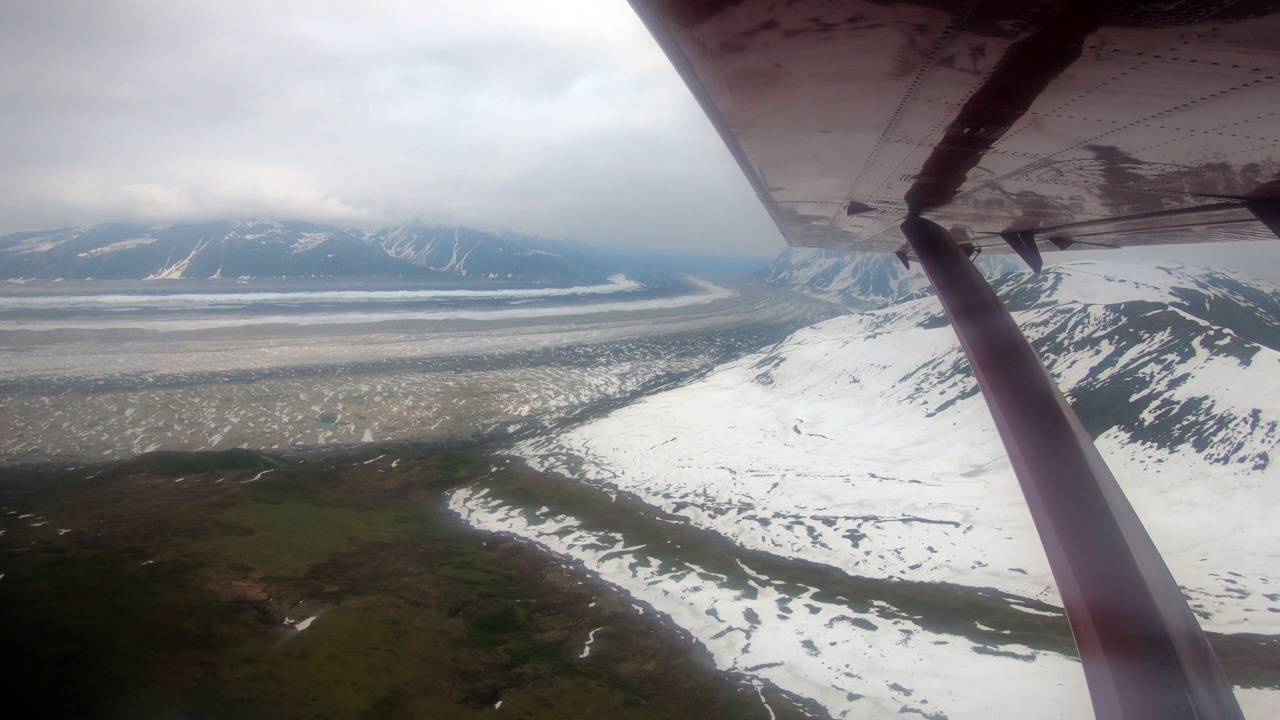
(1143, 652)
(1268, 211)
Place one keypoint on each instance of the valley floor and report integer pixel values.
(74, 391)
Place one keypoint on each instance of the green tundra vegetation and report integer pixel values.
(173, 586)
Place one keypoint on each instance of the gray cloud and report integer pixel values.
(555, 118)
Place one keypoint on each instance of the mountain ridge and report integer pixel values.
(254, 248)
(507, 255)
(858, 280)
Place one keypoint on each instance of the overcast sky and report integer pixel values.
(554, 118)
(559, 118)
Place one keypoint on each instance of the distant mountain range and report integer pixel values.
(860, 281)
(293, 249)
(475, 253)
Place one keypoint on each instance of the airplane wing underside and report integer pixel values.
(1057, 123)
(934, 129)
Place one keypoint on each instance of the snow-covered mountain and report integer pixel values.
(475, 253)
(860, 445)
(194, 250)
(295, 249)
(857, 280)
